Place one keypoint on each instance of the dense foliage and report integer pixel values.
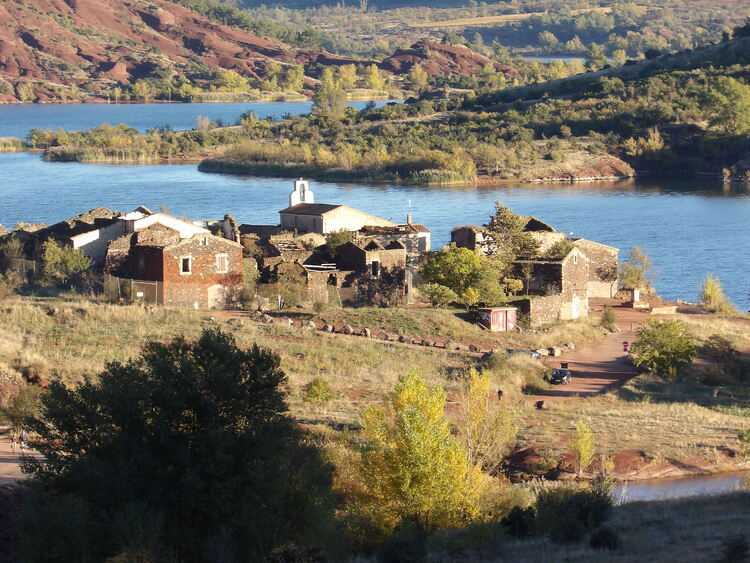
(186, 453)
(663, 347)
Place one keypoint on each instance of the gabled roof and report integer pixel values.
(534, 224)
(310, 209)
(394, 230)
(592, 243)
(157, 235)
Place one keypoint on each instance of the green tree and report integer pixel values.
(143, 90)
(663, 347)
(330, 98)
(453, 267)
(509, 240)
(729, 102)
(595, 57)
(636, 272)
(713, 298)
(335, 239)
(11, 248)
(439, 295)
(373, 78)
(185, 453)
(583, 446)
(412, 467)
(22, 405)
(62, 262)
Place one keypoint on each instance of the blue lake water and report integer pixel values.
(18, 120)
(689, 228)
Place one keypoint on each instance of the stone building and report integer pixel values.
(558, 288)
(414, 236)
(603, 267)
(199, 271)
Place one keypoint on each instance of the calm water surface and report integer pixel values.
(18, 120)
(662, 489)
(689, 228)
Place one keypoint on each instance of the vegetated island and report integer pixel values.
(677, 115)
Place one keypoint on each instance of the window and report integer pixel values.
(222, 264)
(203, 241)
(186, 266)
(575, 258)
(141, 263)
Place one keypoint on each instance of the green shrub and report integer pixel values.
(720, 348)
(744, 438)
(663, 347)
(608, 319)
(713, 299)
(565, 514)
(318, 391)
(605, 538)
(439, 295)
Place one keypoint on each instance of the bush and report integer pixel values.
(608, 320)
(439, 295)
(318, 391)
(734, 548)
(744, 439)
(605, 538)
(713, 299)
(663, 347)
(565, 514)
(720, 348)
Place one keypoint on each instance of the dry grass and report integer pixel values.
(667, 430)
(505, 18)
(691, 529)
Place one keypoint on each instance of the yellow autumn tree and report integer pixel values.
(487, 430)
(412, 467)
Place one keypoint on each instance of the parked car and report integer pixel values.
(560, 376)
(533, 354)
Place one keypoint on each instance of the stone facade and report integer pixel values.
(603, 265)
(561, 285)
(324, 218)
(203, 271)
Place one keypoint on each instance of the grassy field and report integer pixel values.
(501, 19)
(691, 529)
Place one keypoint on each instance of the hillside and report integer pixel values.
(74, 49)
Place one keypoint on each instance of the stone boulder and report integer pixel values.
(309, 324)
(366, 333)
(347, 329)
(555, 351)
(402, 338)
(571, 346)
(451, 345)
(542, 351)
(266, 319)
(328, 328)
(384, 336)
(474, 348)
(428, 342)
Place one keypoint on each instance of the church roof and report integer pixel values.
(310, 209)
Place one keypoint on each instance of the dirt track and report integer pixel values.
(601, 366)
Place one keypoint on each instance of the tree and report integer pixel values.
(663, 347)
(373, 78)
(418, 78)
(293, 80)
(62, 262)
(595, 57)
(619, 57)
(712, 297)
(143, 90)
(486, 430)
(11, 248)
(229, 80)
(413, 468)
(453, 267)
(636, 273)
(330, 98)
(335, 239)
(509, 240)
(729, 101)
(583, 446)
(20, 407)
(439, 295)
(347, 75)
(185, 453)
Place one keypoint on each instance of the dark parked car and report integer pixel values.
(560, 375)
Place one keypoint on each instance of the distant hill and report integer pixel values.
(53, 49)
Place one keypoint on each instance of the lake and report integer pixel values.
(689, 228)
(18, 120)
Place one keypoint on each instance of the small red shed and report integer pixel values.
(498, 319)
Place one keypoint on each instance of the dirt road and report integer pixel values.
(601, 366)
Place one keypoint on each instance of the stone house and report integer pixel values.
(603, 267)
(168, 268)
(413, 236)
(558, 288)
(477, 239)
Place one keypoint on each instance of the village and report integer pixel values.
(319, 254)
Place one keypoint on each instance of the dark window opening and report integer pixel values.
(376, 268)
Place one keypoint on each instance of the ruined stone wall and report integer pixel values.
(603, 264)
(410, 240)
